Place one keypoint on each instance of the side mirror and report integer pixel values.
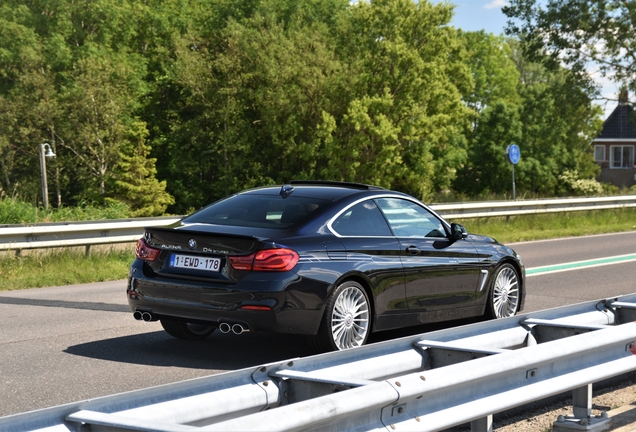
(458, 231)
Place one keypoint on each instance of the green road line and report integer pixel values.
(580, 264)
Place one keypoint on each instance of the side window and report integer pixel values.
(408, 219)
(362, 220)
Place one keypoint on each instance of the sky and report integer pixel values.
(474, 15)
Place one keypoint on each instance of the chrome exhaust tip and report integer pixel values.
(137, 315)
(147, 316)
(238, 329)
(224, 328)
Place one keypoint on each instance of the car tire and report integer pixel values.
(346, 322)
(504, 293)
(187, 330)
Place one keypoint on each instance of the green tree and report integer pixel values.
(251, 106)
(559, 122)
(100, 107)
(487, 170)
(29, 109)
(367, 92)
(71, 74)
(494, 72)
(495, 123)
(404, 113)
(144, 100)
(135, 182)
(578, 34)
(549, 114)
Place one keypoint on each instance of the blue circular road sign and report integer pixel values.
(513, 154)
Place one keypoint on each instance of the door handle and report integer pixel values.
(413, 250)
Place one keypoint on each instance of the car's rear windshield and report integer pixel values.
(262, 211)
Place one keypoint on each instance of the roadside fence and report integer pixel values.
(87, 234)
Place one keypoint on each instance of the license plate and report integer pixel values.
(196, 263)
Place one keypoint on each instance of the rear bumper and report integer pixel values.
(295, 304)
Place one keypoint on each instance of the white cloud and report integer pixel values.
(496, 4)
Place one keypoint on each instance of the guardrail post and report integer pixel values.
(481, 425)
(87, 250)
(582, 401)
(582, 420)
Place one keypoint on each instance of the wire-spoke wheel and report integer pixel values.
(187, 330)
(346, 323)
(504, 293)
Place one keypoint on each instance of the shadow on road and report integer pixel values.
(97, 306)
(219, 351)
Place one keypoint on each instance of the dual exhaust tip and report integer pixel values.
(223, 327)
(144, 316)
(234, 328)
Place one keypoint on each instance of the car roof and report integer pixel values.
(328, 190)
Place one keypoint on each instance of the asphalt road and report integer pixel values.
(65, 344)
(550, 290)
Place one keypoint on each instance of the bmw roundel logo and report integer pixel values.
(192, 243)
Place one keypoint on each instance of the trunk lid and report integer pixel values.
(197, 254)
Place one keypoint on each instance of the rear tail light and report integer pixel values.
(275, 260)
(266, 260)
(145, 252)
(242, 262)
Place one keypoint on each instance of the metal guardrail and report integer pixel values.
(512, 208)
(428, 382)
(18, 237)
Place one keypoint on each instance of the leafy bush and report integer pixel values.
(610, 189)
(113, 209)
(579, 186)
(13, 211)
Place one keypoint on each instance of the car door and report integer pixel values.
(372, 250)
(441, 273)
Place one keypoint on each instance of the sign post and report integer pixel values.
(513, 154)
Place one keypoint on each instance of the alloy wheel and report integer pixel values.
(505, 293)
(350, 318)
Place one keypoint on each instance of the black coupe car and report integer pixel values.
(335, 261)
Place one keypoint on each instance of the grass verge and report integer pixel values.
(66, 267)
(63, 267)
(552, 225)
